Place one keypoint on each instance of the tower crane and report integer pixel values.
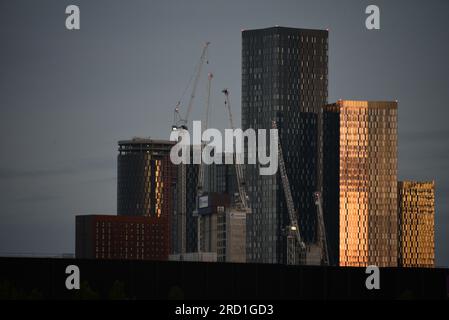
(293, 234)
(200, 182)
(322, 240)
(182, 122)
(242, 201)
(295, 244)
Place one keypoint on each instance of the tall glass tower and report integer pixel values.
(145, 178)
(416, 219)
(284, 78)
(146, 184)
(360, 182)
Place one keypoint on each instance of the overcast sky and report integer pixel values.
(67, 97)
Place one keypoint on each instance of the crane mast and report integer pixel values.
(181, 125)
(243, 197)
(322, 240)
(293, 234)
(200, 182)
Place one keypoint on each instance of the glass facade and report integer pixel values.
(220, 178)
(416, 209)
(145, 178)
(185, 224)
(284, 78)
(191, 198)
(360, 182)
(146, 182)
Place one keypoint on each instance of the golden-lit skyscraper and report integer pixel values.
(360, 182)
(416, 211)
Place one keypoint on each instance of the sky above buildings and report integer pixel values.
(67, 97)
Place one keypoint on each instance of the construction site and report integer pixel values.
(221, 218)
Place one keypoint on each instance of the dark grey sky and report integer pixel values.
(67, 97)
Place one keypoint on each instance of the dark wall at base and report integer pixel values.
(30, 278)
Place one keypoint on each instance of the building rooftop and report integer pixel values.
(149, 140)
(280, 28)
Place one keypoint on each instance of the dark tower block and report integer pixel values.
(146, 181)
(284, 77)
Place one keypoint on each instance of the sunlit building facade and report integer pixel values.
(145, 178)
(360, 182)
(416, 209)
(146, 182)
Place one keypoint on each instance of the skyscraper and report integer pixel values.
(416, 211)
(284, 78)
(145, 178)
(191, 191)
(220, 178)
(146, 182)
(184, 224)
(360, 182)
(222, 228)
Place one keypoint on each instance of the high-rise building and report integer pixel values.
(416, 212)
(210, 207)
(231, 239)
(184, 219)
(145, 178)
(222, 228)
(360, 182)
(121, 237)
(146, 182)
(284, 78)
(220, 178)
